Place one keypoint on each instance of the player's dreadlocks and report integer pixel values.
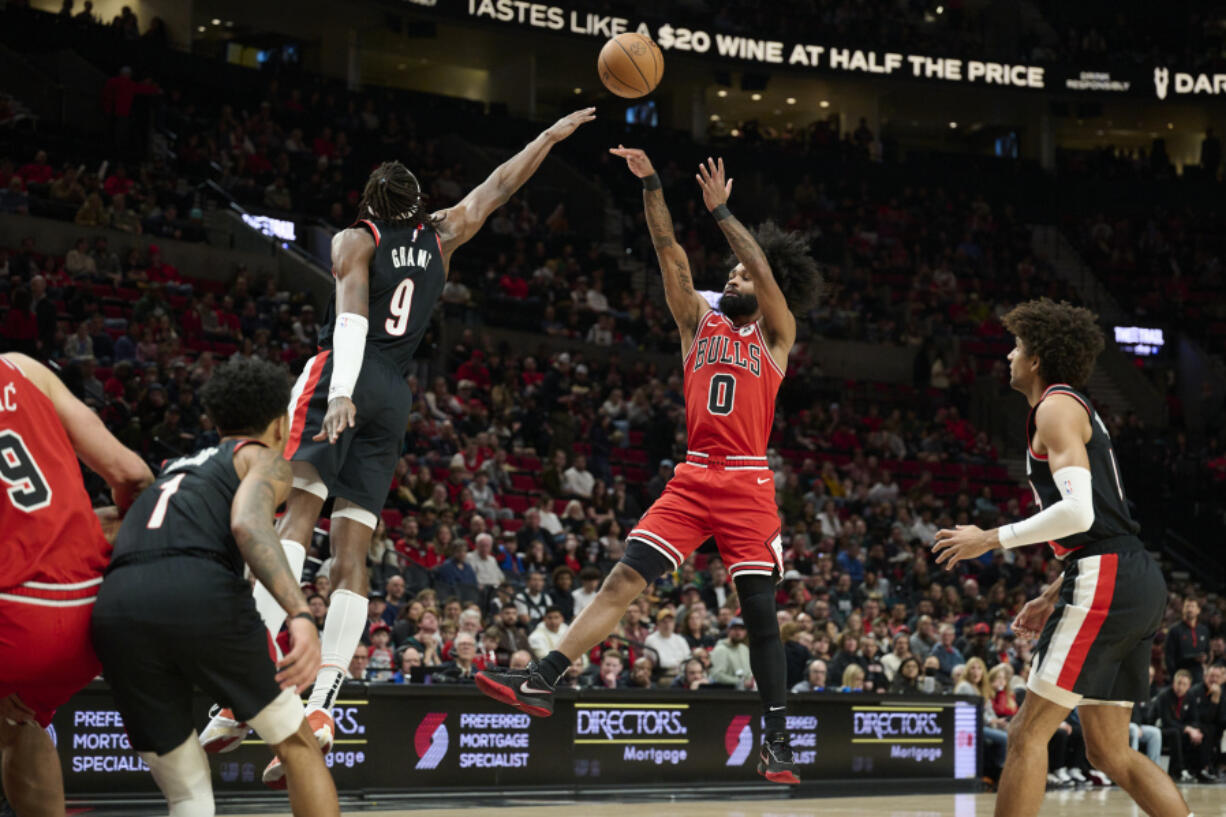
(1065, 338)
(392, 193)
(795, 270)
(244, 396)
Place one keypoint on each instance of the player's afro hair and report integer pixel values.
(1067, 339)
(244, 396)
(795, 270)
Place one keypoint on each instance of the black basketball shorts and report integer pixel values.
(164, 626)
(360, 465)
(1096, 646)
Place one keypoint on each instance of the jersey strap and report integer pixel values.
(370, 225)
(1064, 388)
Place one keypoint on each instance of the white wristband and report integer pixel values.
(1074, 513)
(348, 348)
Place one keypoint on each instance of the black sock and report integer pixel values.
(766, 657)
(552, 666)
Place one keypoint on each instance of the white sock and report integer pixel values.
(343, 630)
(268, 607)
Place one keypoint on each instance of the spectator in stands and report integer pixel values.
(815, 677)
(92, 213)
(14, 198)
(483, 563)
(589, 580)
(730, 658)
(907, 679)
(79, 344)
(78, 262)
(608, 674)
(456, 570)
(693, 676)
(359, 663)
(1179, 712)
(120, 217)
(1211, 711)
(533, 601)
(463, 664)
(45, 316)
(511, 637)
(1187, 643)
(947, 655)
(670, 648)
(549, 633)
(641, 674)
(409, 657)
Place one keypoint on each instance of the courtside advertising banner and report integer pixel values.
(394, 737)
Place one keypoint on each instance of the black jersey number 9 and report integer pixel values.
(27, 487)
(722, 394)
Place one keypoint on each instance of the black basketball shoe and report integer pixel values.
(523, 689)
(775, 761)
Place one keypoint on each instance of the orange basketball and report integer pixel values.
(630, 65)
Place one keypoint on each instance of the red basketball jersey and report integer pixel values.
(731, 382)
(53, 541)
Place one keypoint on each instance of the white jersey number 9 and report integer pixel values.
(402, 303)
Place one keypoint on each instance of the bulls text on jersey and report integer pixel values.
(727, 351)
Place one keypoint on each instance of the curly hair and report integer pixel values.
(795, 270)
(392, 193)
(1067, 339)
(244, 396)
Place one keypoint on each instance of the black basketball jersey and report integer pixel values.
(406, 281)
(1111, 516)
(186, 510)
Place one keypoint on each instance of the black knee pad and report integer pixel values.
(645, 560)
(757, 595)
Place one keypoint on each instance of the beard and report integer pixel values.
(738, 306)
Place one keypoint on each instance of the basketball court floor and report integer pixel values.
(1204, 801)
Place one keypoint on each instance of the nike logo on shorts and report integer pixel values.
(527, 690)
(763, 480)
(777, 708)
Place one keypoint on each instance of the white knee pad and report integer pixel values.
(306, 478)
(280, 719)
(183, 776)
(344, 509)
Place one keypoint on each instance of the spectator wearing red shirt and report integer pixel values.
(37, 171)
(513, 286)
(474, 369)
(323, 144)
(118, 183)
(118, 94)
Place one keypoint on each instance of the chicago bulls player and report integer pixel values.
(734, 361)
(51, 564)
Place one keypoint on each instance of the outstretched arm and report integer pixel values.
(687, 306)
(123, 470)
(460, 223)
(778, 322)
(1063, 428)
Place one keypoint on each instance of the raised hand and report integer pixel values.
(715, 190)
(636, 160)
(566, 125)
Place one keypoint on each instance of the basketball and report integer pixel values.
(630, 65)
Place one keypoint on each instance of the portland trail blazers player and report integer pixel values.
(734, 361)
(1098, 621)
(350, 407)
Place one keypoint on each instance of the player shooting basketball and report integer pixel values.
(734, 361)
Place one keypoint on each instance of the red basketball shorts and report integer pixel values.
(45, 653)
(737, 507)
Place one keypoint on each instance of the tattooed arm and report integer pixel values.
(778, 323)
(687, 306)
(266, 481)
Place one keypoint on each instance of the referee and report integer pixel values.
(175, 612)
